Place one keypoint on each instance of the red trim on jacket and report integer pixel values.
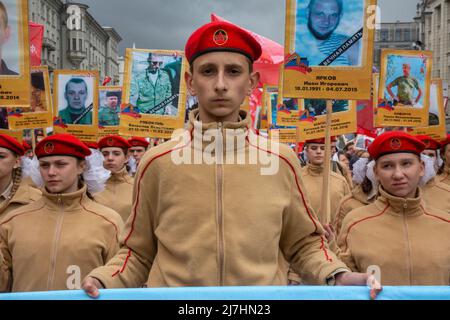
(138, 197)
(367, 218)
(114, 225)
(432, 215)
(301, 194)
(20, 214)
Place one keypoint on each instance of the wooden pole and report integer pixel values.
(326, 214)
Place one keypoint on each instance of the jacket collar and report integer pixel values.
(205, 134)
(120, 176)
(402, 206)
(66, 201)
(314, 170)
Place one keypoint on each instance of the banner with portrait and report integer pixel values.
(436, 128)
(329, 49)
(309, 115)
(404, 88)
(75, 106)
(269, 93)
(14, 54)
(39, 115)
(155, 90)
(284, 135)
(109, 109)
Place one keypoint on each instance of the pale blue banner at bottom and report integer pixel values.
(245, 293)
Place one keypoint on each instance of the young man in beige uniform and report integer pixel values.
(212, 222)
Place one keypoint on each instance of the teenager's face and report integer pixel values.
(315, 153)
(115, 159)
(137, 153)
(221, 81)
(8, 161)
(399, 173)
(60, 173)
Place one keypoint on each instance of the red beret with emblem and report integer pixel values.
(113, 141)
(430, 143)
(395, 142)
(320, 140)
(12, 144)
(222, 36)
(62, 145)
(138, 142)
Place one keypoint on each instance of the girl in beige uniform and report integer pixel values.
(14, 193)
(54, 242)
(399, 235)
(118, 193)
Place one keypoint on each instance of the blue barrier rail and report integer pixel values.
(245, 293)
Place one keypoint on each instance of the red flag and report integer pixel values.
(268, 65)
(365, 115)
(36, 36)
(106, 80)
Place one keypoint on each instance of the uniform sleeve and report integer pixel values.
(302, 238)
(114, 244)
(345, 253)
(130, 267)
(5, 263)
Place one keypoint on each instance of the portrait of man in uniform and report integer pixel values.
(109, 111)
(9, 48)
(78, 109)
(155, 83)
(38, 98)
(405, 80)
(329, 32)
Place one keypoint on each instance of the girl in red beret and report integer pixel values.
(13, 191)
(118, 191)
(54, 242)
(400, 236)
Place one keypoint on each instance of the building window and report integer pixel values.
(74, 44)
(398, 35)
(384, 35)
(407, 35)
(81, 44)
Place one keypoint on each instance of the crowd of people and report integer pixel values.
(118, 214)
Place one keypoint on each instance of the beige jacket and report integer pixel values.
(312, 177)
(218, 224)
(53, 243)
(118, 193)
(444, 177)
(356, 199)
(408, 240)
(22, 194)
(437, 195)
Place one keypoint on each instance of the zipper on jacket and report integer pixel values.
(51, 275)
(405, 206)
(219, 179)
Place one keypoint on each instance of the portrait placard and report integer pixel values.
(40, 113)
(14, 54)
(404, 88)
(155, 91)
(110, 101)
(329, 49)
(75, 106)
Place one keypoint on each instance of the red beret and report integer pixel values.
(320, 140)
(138, 142)
(91, 145)
(62, 145)
(222, 36)
(12, 144)
(445, 141)
(113, 141)
(395, 142)
(26, 146)
(429, 142)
